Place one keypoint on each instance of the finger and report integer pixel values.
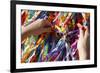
(42, 30)
(86, 35)
(47, 23)
(43, 23)
(39, 20)
(81, 30)
(47, 26)
(79, 25)
(81, 33)
(84, 16)
(46, 30)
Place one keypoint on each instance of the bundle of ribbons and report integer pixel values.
(59, 45)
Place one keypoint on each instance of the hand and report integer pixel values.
(41, 26)
(83, 44)
(37, 27)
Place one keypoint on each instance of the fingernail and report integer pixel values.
(83, 28)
